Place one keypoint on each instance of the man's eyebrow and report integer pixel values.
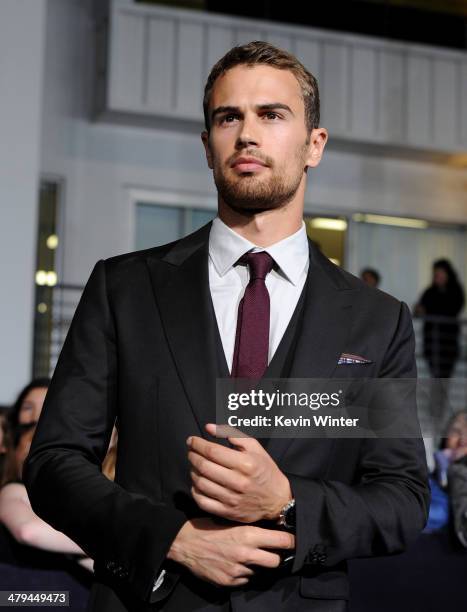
(274, 106)
(235, 109)
(224, 109)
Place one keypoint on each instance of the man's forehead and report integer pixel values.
(259, 84)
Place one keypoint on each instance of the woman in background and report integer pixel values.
(444, 298)
(28, 405)
(16, 513)
(7, 458)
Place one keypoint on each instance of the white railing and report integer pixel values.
(372, 90)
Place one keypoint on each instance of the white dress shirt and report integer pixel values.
(227, 281)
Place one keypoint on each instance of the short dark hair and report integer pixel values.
(260, 52)
(372, 272)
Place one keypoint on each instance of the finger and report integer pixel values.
(227, 457)
(235, 436)
(225, 579)
(222, 430)
(213, 506)
(211, 489)
(239, 581)
(241, 570)
(225, 477)
(247, 443)
(271, 538)
(264, 558)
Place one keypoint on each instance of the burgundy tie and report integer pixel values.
(250, 358)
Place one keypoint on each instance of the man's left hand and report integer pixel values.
(241, 484)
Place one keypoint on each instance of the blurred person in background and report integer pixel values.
(370, 277)
(32, 553)
(16, 513)
(15, 509)
(448, 481)
(22, 443)
(7, 459)
(444, 298)
(23, 524)
(28, 405)
(456, 480)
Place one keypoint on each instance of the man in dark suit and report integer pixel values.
(193, 522)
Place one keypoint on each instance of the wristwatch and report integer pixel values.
(287, 515)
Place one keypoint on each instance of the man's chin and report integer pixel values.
(250, 207)
(249, 195)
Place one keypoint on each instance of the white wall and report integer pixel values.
(22, 24)
(100, 162)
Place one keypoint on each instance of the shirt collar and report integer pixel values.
(226, 247)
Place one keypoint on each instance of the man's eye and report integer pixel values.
(228, 118)
(271, 115)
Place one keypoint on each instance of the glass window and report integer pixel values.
(158, 224)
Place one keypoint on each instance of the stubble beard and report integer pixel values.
(250, 193)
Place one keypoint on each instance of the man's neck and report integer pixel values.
(263, 228)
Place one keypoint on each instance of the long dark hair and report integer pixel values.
(37, 383)
(7, 458)
(453, 280)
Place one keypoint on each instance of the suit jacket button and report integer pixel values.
(309, 558)
(317, 555)
(320, 554)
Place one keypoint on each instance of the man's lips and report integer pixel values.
(248, 164)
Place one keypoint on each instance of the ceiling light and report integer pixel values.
(387, 220)
(339, 225)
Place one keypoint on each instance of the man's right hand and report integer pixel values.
(221, 554)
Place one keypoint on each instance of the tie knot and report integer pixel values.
(260, 264)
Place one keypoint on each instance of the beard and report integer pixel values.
(249, 192)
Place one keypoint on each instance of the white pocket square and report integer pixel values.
(349, 358)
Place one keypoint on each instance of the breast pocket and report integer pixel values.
(355, 370)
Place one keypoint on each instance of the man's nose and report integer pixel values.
(248, 133)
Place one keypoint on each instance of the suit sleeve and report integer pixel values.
(127, 534)
(387, 507)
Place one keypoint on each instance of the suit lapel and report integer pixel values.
(326, 321)
(181, 288)
(324, 331)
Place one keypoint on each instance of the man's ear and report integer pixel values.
(205, 139)
(318, 139)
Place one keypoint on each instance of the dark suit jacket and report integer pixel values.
(142, 349)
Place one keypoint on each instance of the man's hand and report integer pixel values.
(242, 484)
(221, 554)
